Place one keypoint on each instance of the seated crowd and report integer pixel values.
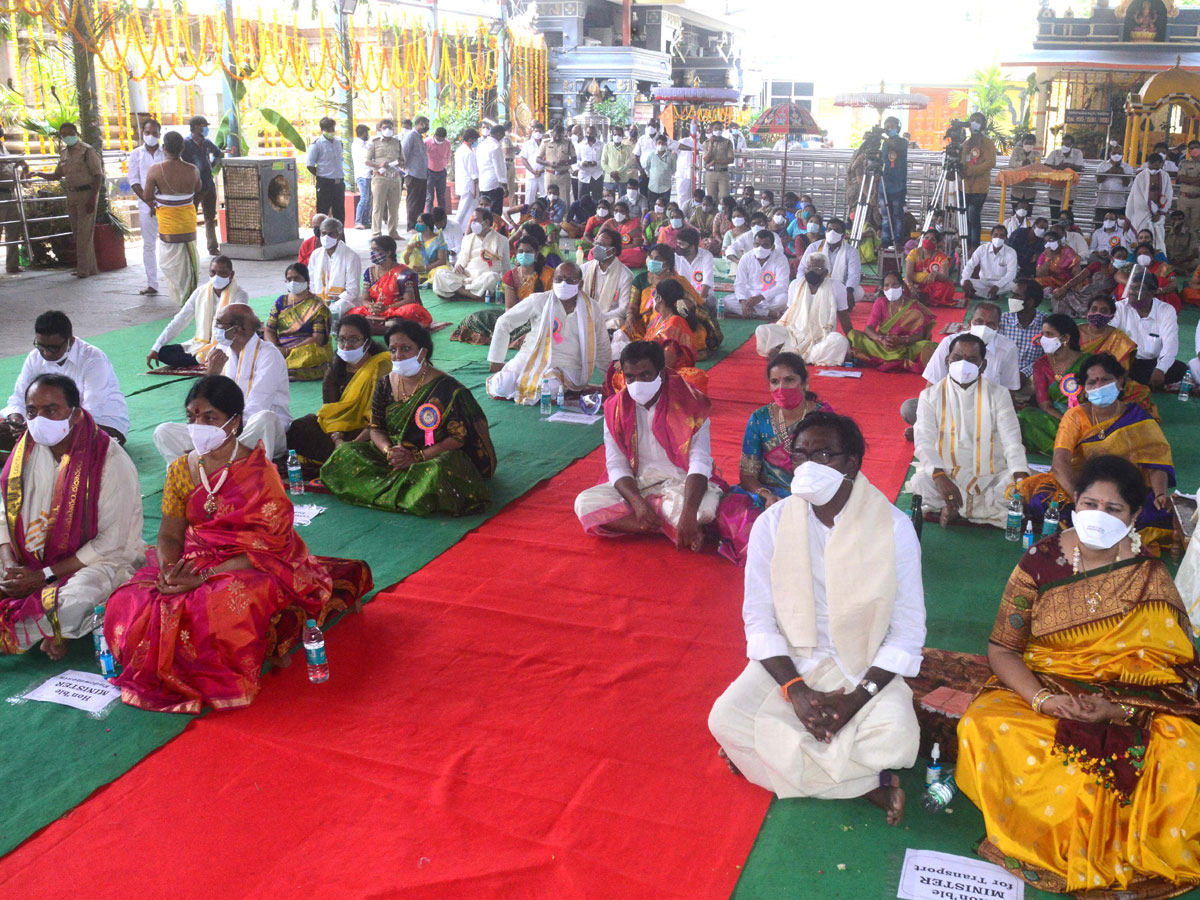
(620, 316)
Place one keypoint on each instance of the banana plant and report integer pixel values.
(275, 119)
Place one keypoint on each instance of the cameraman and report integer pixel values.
(895, 183)
(978, 157)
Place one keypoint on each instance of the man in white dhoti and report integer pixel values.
(335, 270)
(760, 284)
(147, 154)
(74, 529)
(260, 371)
(658, 453)
(607, 280)
(535, 172)
(466, 177)
(834, 611)
(482, 262)
(203, 305)
(1149, 201)
(567, 344)
(968, 441)
(816, 305)
(992, 268)
(841, 259)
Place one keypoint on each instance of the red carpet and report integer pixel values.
(523, 718)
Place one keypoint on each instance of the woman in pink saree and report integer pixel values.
(233, 584)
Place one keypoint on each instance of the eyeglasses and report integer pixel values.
(818, 456)
(350, 342)
(49, 348)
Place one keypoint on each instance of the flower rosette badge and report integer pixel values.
(428, 417)
(556, 331)
(1071, 388)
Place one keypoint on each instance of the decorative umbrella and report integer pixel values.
(882, 100)
(786, 119)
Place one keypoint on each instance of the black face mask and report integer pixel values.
(814, 279)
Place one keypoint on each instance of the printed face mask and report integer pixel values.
(963, 371)
(1099, 320)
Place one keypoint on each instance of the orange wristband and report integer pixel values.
(785, 687)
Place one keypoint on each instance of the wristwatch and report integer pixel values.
(49, 575)
(869, 686)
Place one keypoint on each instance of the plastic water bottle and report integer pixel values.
(720, 307)
(938, 795)
(1050, 522)
(487, 296)
(1016, 514)
(104, 656)
(295, 478)
(1027, 537)
(1185, 387)
(314, 653)
(848, 362)
(561, 400)
(933, 771)
(545, 398)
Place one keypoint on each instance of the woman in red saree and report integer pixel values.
(1058, 263)
(233, 584)
(671, 326)
(391, 286)
(633, 251)
(927, 272)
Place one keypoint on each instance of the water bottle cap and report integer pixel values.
(936, 753)
(310, 623)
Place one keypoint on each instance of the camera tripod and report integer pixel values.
(949, 196)
(872, 177)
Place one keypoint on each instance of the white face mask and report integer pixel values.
(677, 224)
(602, 212)
(761, 253)
(813, 228)
(1015, 304)
(779, 220)
(1050, 344)
(985, 333)
(564, 290)
(893, 294)
(476, 227)
(1144, 261)
(220, 282)
(1051, 245)
(616, 139)
(816, 483)
(297, 287)
(1040, 232)
(408, 367)
(218, 335)
(833, 237)
(660, 209)
(997, 242)
(739, 221)
(632, 194)
(620, 216)
(49, 432)
(643, 392)
(1109, 224)
(386, 132)
(329, 241)
(1022, 212)
(150, 140)
(537, 136)
(963, 371)
(207, 438)
(352, 356)
(1097, 529)
(1115, 157)
(652, 131)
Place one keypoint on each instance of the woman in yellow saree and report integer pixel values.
(1081, 750)
(896, 336)
(299, 326)
(346, 393)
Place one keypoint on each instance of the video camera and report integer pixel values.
(956, 135)
(872, 147)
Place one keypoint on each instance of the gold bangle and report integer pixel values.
(1040, 698)
(419, 455)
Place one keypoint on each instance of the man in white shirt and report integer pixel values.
(202, 306)
(1106, 238)
(760, 286)
(607, 280)
(450, 230)
(1019, 219)
(534, 171)
(1068, 156)
(1149, 201)
(362, 176)
(1154, 326)
(744, 243)
(695, 264)
(335, 271)
(56, 351)
(1113, 177)
(658, 453)
(567, 344)
(466, 177)
(1072, 236)
(493, 170)
(968, 441)
(145, 155)
(481, 263)
(842, 259)
(994, 265)
(834, 615)
(63, 560)
(817, 305)
(591, 175)
(260, 371)
(1004, 359)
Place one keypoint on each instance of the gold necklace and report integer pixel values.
(1093, 598)
(1094, 423)
(404, 398)
(210, 504)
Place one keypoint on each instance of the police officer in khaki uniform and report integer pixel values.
(718, 157)
(385, 159)
(81, 172)
(558, 155)
(1188, 181)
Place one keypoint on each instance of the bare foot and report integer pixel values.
(55, 649)
(890, 798)
(908, 434)
(729, 762)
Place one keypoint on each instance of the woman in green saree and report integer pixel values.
(403, 467)
(896, 337)
(299, 325)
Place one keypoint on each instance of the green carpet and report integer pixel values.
(58, 756)
(965, 570)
